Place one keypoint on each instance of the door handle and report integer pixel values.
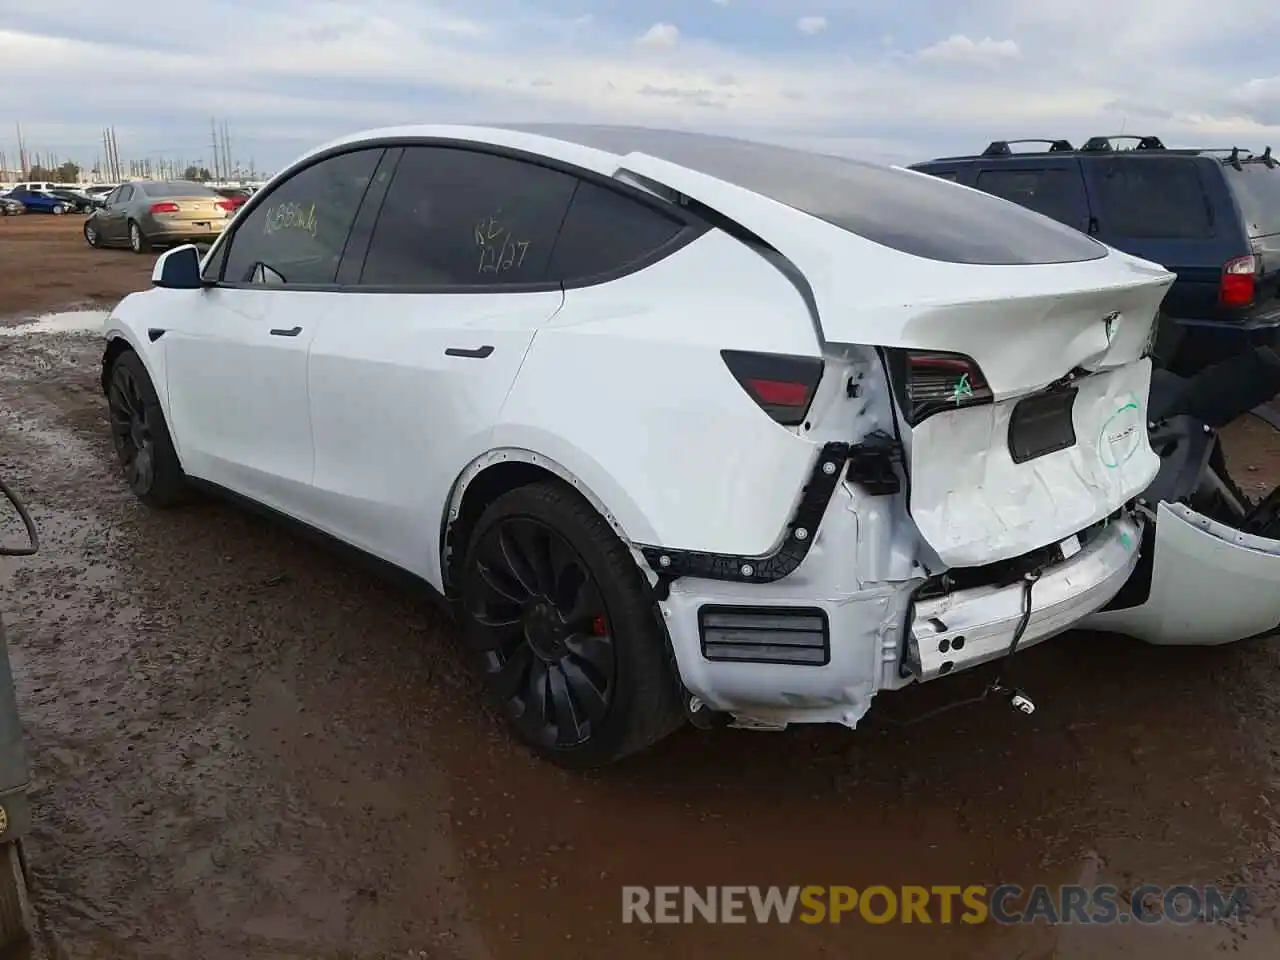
(292, 332)
(479, 353)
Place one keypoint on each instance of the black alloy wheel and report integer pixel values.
(131, 429)
(542, 632)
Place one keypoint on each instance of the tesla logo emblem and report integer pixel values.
(1109, 324)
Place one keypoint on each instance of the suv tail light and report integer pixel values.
(782, 385)
(1239, 279)
(930, 382)
(167, 206)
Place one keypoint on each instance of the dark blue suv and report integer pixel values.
(1210, 216)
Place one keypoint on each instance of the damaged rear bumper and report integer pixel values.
(773, 654)
(970, 627)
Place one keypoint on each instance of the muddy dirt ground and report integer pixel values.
(243, 746)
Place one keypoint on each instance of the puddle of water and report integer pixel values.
(72, 321)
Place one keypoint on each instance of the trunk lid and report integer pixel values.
(195, 208)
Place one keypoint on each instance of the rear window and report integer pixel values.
(1257, 189)
(184, 189)
(1153, 198)
(1056, 193)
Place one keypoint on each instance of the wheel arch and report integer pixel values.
(503, 469)
(121, 340)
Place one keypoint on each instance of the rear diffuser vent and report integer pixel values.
(787, 635)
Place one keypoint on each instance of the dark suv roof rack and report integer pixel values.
(1104, 144)
(1000, 148)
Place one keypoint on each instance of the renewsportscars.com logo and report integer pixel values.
(973, 904)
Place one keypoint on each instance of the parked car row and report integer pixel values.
(684, 428)
(43, 197)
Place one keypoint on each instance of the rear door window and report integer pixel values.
(1056, 192)
(606, 233)
(1153, 198)
(455, 217)
(1257, 189)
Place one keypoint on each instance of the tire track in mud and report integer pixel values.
(245, 747)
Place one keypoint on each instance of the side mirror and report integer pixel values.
(178, 269)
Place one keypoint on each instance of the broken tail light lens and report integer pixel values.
(781, 385)
(930, 382)
(1239, 282)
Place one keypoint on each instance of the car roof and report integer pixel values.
(840, 190)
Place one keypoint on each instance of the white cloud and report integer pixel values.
(959, 49)
(811, 25)
(300, 73)
(660, 35)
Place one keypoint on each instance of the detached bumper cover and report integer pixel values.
(971, 627)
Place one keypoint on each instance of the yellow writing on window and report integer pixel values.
(499, 250)
(291, 216)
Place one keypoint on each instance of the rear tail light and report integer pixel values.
(225, 205)
(782, 385)
(930, 382)
(1239, 279)
(165, 207)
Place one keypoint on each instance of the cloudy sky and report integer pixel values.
(893, 82)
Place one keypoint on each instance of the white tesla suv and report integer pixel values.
(682, 427)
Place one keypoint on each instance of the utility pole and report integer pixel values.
(227, 166)
(215, 149)
(22, 153)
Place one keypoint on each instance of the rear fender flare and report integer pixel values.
(632, 518)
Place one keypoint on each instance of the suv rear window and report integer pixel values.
(1257, 190)
(1056, 193)
(1153, 198)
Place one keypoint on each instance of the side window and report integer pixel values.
(126, 194)
(457, 217)
(605, 232)
(1054, 192)
(297, 234)
(1158, 197)
(1257, 189)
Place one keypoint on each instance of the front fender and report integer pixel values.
(128, 324)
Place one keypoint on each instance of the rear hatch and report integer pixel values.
(1255, 185)
(1023, 420)
(1214, 224)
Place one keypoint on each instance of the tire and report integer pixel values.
(91, 235)
(138, 241)
(59, 210)
(141, 437)
(553, 656)
(16, 918)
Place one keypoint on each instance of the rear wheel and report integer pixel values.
(59, 210)
(564, 630)
(141, 436)
(138, 242)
